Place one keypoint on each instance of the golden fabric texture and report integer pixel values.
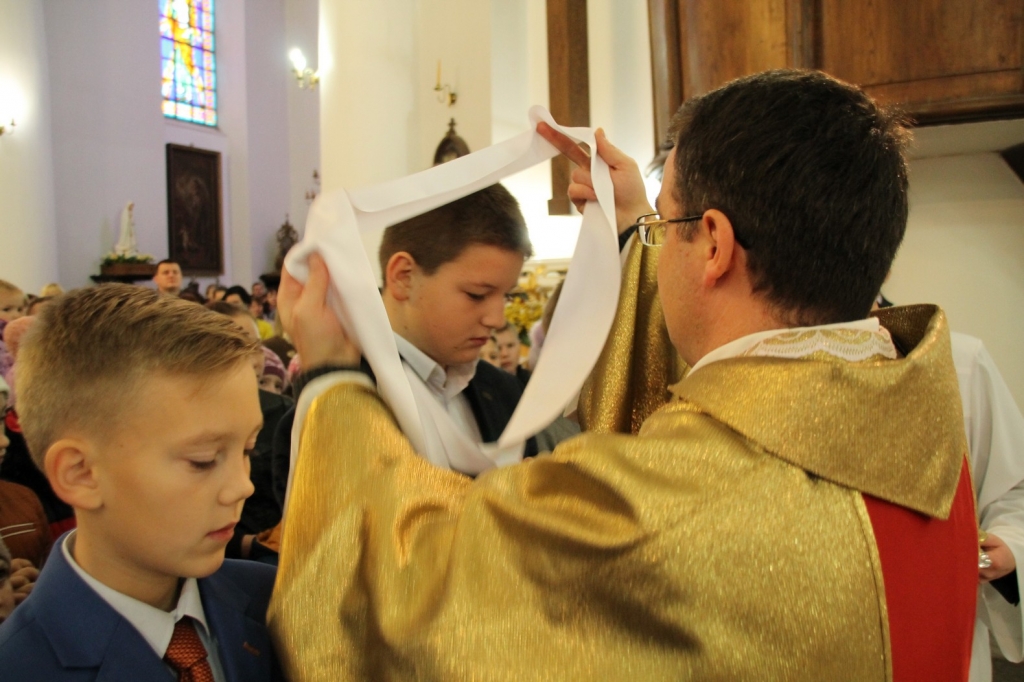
(700, 549)
(685, 553)
(823, 415)
(638, 364)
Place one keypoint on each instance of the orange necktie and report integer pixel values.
(187, 655)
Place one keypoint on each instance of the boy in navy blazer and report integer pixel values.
(142, 410)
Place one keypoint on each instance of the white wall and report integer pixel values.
(107, 129)
(105, 139)
(302, 22)
(28, 244)
(368, 115)
(267, 75)
(457, 32)
(964, 250)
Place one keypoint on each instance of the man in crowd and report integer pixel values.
(168, 277)
(771, 522)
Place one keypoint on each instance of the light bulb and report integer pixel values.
(298, 59)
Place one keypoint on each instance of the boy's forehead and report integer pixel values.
(485, 262)
(172, 394)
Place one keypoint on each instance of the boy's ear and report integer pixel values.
(70, 467)
(398, 275)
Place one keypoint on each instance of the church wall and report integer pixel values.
(229, 138)
(620, 98)
(457, 32)
(28, 244)
(368, 114)
(302, 22)
(268, 79)
(380, 118)
(964, 250)
(109, 134)
(107, 129)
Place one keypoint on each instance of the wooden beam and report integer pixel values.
(568, 85)
(666, 65)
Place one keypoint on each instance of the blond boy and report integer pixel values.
(141, 409)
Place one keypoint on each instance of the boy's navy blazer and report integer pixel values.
(65, 631)
(493, 395)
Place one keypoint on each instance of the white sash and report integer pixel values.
(338, 223)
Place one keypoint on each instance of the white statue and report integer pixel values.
(126, 245)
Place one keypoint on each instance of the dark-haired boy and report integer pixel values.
(152, 453)
(446, 274)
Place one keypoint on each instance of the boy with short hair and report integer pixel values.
(152, 452)
(446, 274)
(507, 340)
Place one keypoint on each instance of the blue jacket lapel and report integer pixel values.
(85, 631)
(244, 645)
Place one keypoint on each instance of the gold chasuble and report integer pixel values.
(728, 540)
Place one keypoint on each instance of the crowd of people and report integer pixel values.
(798, 504)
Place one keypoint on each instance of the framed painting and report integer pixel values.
(194, 213)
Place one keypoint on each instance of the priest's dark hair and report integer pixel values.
(813, 176)
(490, 217)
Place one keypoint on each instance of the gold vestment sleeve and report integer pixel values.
(686, 553)
(638, 364)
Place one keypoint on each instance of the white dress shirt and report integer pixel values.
(155, 625)
(446, 386)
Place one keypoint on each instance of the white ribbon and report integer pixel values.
(340, 221)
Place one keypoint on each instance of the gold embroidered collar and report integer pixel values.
(889, 428)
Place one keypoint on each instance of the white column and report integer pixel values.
(368, 124)
(28, 243)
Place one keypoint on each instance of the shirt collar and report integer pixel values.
(744, 343)
(446, 383)
(155, 625)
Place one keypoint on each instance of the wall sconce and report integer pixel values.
(311, 194)
(308, 78)
(12, 106)
(445, 93)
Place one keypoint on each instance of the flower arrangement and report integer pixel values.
(120, 259)
(525, 304)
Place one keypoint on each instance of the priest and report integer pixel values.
(797, 507)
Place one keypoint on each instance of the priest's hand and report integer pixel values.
(630, 193)
(311, 323)
(1001, 556)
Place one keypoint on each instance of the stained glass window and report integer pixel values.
(187, 58)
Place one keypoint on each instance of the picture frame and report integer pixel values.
(195, 220)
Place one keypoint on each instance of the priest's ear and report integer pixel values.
(399, 273)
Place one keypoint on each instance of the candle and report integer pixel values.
(438, 74)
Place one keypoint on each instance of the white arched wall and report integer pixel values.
(28, 242)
